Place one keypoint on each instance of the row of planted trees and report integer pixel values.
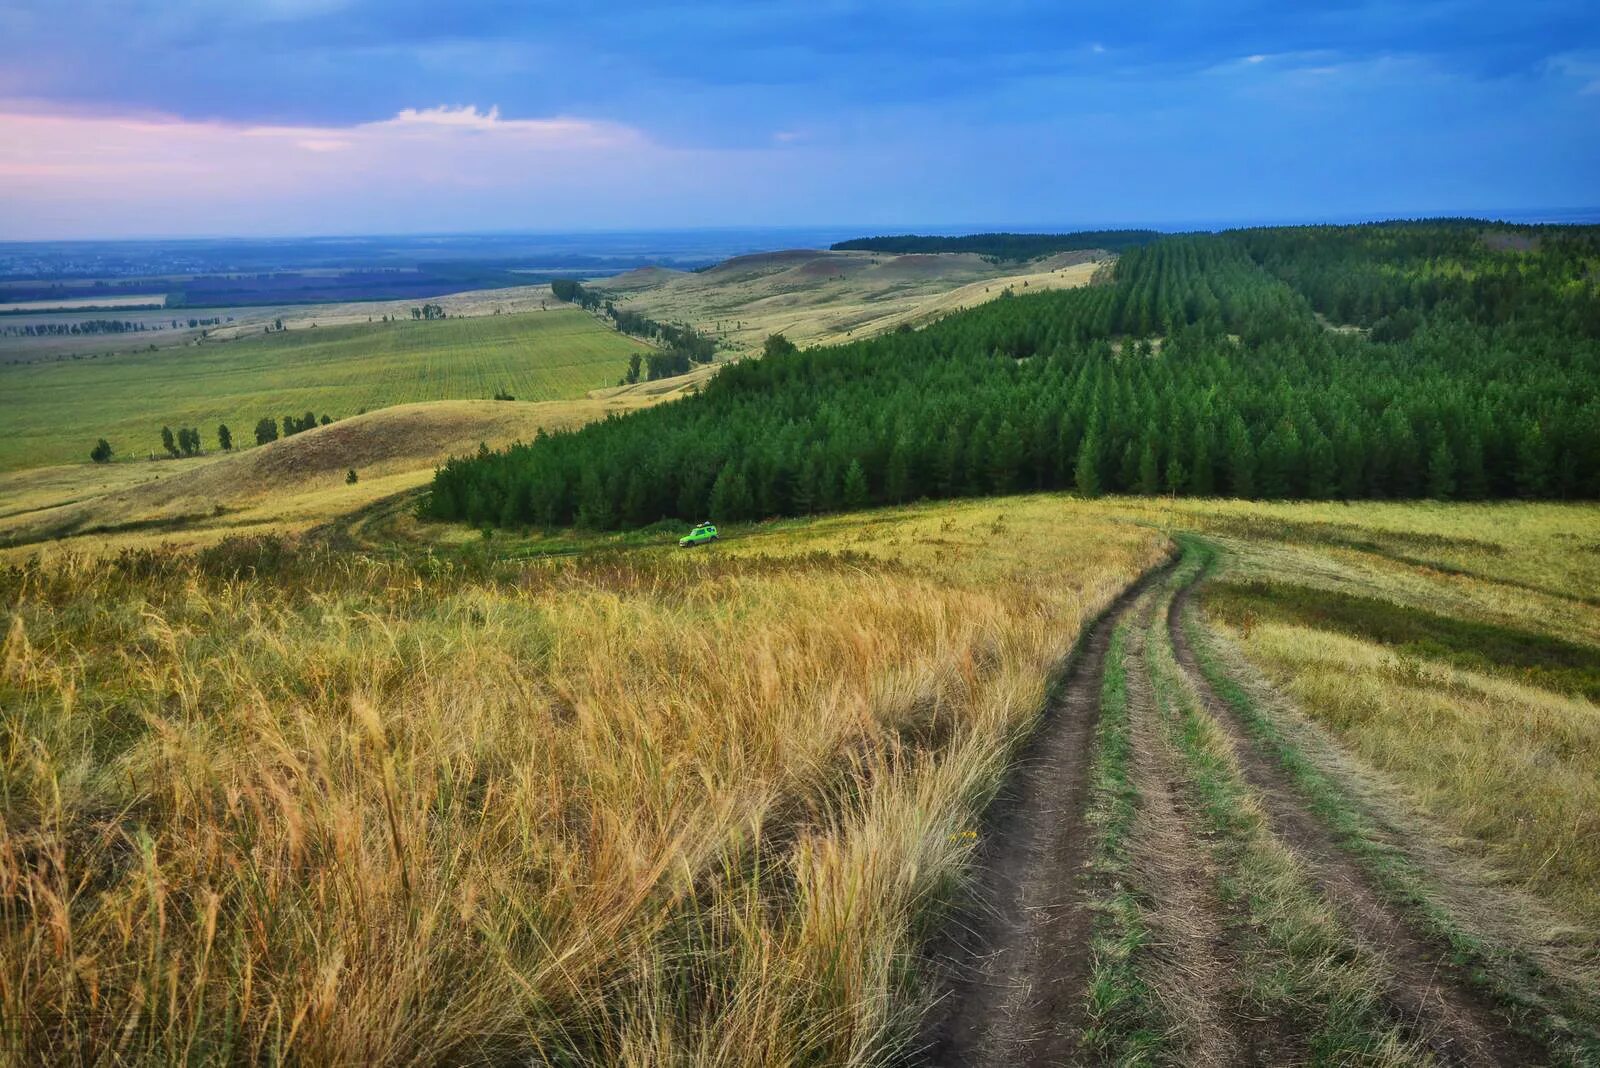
(1203, 369)
(185, 441)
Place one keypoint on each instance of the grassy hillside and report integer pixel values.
(281, 487)
(595, 799)
(53, 412)
(1454, 647)
(648, 808)
(1004, 246)
(825, 297)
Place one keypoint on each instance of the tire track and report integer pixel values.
(1013, 991)
(1429, 994)
(1194, 966)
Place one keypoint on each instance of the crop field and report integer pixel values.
(54, 411)
(284, 487)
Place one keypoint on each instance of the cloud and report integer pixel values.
(423, 168)
(104, 147)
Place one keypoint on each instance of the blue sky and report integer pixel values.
(131, 117)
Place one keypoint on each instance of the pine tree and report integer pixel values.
(730, 494)
(897, 482)
(855, 486)
(1177, 477)
(1086, 472)
(1005, 458)
(1202, 480)
(1472, 479)
(224, 437)
(1149, 476)
(1441, 471)
(1241, 460)
(803, 495)
(1533, 461)
(167, 441)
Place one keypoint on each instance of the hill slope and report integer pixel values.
(823, 297)
(299, 479)
(54, 411)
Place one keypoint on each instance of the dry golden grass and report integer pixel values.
(1506, 758)
(1511, 766)
(817, 297)
(632, 807)
(281, 487)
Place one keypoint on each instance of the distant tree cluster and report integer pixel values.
(267, 426)
(186, 442)
(101, 453)
(428, 312)
(682, 346)
(1228, 365)
(76, 327)
(1003, 246)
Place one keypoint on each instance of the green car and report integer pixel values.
(700, 535)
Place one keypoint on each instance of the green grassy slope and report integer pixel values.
(53, 412)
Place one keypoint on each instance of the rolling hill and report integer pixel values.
(823, 297)
(54, 411)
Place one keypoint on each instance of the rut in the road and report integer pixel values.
(1014, 992)
(1193, 969)
(1428, 993)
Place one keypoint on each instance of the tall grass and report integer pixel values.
(1452, 647)
(260, 804)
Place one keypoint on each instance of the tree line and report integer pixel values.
(1002, 246)
(267, 426)
(185, 441)
(1210, 365)
(681, 345)
(89, 327)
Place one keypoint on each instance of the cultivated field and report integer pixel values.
(77, 303)
(819, 298)
(236, 321)
(54, 411)
(283, 487)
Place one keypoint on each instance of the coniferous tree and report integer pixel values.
(1441, 471)
(1241, 460)
(1149, 476)
(1086, 472)
(224, 437)
(855, 486)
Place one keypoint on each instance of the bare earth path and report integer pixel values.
(1015, 994)
(1428, 992)
(1014, 974)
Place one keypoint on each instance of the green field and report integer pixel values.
(53, 412)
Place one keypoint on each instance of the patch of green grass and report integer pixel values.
(1126, 1024)
(54, 411)
(1304, 969)
(1530, 657)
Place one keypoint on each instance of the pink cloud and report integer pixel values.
(76, 174)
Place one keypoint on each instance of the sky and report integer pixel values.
(290, 117)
